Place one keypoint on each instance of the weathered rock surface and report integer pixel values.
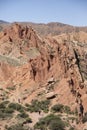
(27, 62)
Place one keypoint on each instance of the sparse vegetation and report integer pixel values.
(9, 110)
(11, 61)
(22, 115)
(85, 118)
(57, 108)
(37, 106)
(4, 115)
(61, 108)
(5, 112)
(28, 120)
(53, 122)
(16, 106)
(17, 127)
(3, 104)
(17, 51)
(67, 110)
(76, 111)
(12, 88)
(72, 128)
(32, 52)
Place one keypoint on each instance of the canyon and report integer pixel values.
(34, 67)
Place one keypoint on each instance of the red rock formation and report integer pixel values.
(27, 60)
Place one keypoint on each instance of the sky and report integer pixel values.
(73, 12)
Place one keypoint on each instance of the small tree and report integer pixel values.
(56, 125)
(53, 122)
(57, 108)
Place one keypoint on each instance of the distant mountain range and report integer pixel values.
(52, 28)
(3, 22)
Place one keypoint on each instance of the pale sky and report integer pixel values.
(73, 12)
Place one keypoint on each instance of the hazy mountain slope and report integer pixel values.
(54, 28)
(3, 24)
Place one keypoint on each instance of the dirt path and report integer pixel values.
(35, 116)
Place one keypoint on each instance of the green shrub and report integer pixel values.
(61, 108)
(16, 106)
(72, 119)
(17, 127)
(12, 88)
(85, 118)
(3, 104)
(67, 109)
(40, 125)
(27, 105)
(56, 125)
(72, 128)
(23, 115)
(57, 108)
(4, 115)
(76, 111)
(53, 122)
(37, 106)
(9, 110)
(44, 105)
(5, 112)
(34, 107)
(29, 108)
(28, 120)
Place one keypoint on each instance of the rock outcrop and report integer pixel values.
(27, 62)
